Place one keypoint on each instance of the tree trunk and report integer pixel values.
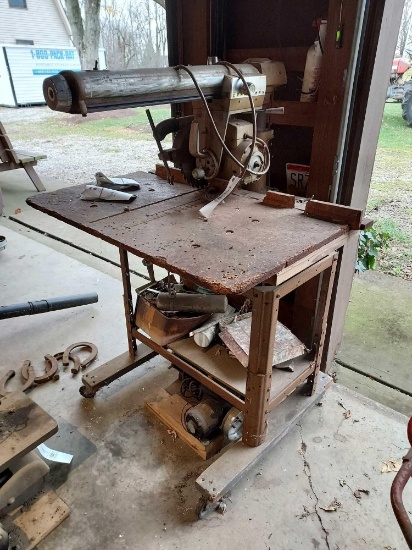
(91, 33)
(74, 16)
(86, 34)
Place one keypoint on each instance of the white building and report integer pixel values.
(34, 43)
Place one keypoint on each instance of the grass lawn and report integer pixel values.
(390, 199)
(395, 134)
(120, 124)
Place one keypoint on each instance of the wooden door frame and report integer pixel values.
(373, 60)
(380, 34)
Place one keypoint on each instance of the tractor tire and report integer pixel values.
(407, 107)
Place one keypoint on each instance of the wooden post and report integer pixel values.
(31, 172)
(331, 98)
(321, 319)
(259, 374)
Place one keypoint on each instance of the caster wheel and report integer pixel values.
(84, 393)
(4, 539)
(205, 507)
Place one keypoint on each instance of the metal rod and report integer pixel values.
(43, 306)
(159, 146)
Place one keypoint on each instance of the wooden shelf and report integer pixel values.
(227, 371)
(296, 113)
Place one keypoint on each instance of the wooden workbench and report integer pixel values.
(244, 248)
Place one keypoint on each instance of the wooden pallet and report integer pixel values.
(29, 525)
(169, 410)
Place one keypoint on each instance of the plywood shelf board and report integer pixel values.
(225, 369)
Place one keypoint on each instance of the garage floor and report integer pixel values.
(131, 485)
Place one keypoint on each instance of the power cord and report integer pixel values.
(254, 138)
(252, 106)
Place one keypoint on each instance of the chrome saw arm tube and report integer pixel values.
(89, 91)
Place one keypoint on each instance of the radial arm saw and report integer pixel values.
(225, 136)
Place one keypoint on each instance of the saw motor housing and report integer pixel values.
(196, 149)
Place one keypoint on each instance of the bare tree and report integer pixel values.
(133, 34)
(85, 25)
(405, 30)
(161, 31)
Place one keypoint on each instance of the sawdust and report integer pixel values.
(182, 485)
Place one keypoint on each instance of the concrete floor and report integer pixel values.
(16, 187)
(380, 318)
(132, 486)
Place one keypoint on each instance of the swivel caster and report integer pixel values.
(4, 539)
(205, 507)
(85, 393)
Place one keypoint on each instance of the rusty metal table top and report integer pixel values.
(241, 245)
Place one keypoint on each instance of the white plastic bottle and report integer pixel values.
(311, 77)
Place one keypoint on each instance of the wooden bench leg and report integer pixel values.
(31, 172)
(321, 320)
(259, 372)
